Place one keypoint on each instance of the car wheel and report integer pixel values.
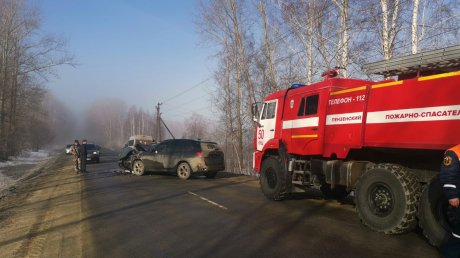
(184, 171)
(138, 168)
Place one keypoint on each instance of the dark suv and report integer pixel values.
(181, 156)
(93, 152)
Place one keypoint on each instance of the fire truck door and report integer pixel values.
(305, 125)
(267, 122)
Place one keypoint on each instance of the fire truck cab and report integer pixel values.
(383, 140)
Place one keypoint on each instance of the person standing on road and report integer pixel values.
(83, 154)
(75, 150)
(450, 181)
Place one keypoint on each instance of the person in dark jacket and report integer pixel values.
(450, 181)
(83, 153)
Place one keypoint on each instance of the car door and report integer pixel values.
(160, 157)
(176, 155)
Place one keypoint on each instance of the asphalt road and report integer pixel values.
(159, 215)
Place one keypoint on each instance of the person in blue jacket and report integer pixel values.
(450, 181)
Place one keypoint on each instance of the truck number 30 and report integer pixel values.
(260, 134)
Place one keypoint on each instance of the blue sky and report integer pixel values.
(140, 51)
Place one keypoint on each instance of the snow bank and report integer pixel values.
(25, 158)
(5, 181)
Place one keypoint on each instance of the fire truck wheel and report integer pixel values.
(432, 213)
(387, 197)
(138, 167)
(273, 179)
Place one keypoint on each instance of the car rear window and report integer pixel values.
(188, 146)
(209, 146)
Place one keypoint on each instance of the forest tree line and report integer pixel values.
(265, 45)
(111, 122)
(28, 116)
(260, 46)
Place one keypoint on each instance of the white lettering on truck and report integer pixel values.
(415, 115)
(345, 118)
(346, 100)
(340, 101)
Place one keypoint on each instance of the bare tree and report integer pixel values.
(27, 58)
(435, 23)
(105, 120)
(414, 26)
(270, 43)
(390, 26)
(221, 22)
(268, 50)
(300, 15)
(343, 6)
(196, 127)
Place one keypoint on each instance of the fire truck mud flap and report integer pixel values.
(433, 213)
(387, 197)
(274, 179)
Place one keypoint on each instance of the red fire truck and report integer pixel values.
(384, 141)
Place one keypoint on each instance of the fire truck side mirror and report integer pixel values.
(255, 113)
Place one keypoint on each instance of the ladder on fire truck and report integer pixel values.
(442, 60)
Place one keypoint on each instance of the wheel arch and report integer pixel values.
(192, 165)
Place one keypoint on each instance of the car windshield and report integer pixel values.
(143, 147)
(90, 146)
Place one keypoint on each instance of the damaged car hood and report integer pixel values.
(126, 152)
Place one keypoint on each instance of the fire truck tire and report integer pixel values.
(387, 197)
(273, 179)
(432, 213)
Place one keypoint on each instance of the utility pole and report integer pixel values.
(158, 122)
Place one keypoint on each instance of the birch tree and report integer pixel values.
(301, 18)
(390, 26)
(27, 59)
(104, 121)
(414, 26)
(196, 127)
(343, 7)
(268, 50)
(222, 23)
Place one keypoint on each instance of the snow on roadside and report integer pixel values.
(5, 181)
(25, 158)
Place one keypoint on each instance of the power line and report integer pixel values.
(181, 105)
(183, 114)
(187, 90)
